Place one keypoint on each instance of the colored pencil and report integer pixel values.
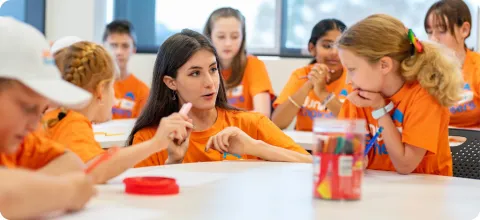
(106, 156)
(373, 140)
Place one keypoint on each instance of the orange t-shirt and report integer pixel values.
(254, 124)
(422, 122)
(312, 107)
(467, 112)
(34, 153)
(76, 133)
(131, 95)
(255, 80)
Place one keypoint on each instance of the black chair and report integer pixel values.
(466, 157)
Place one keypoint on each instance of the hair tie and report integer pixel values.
(61, 115)
(417, 45)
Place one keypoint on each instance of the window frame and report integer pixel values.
(34, 16)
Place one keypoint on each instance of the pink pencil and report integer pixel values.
(183, 111)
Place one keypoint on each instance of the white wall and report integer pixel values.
(69, 17)
(86, 19)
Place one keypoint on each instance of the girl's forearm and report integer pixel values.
(273, 153)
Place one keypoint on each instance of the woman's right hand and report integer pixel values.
(82, 189)
(173, 127)
(177, 149)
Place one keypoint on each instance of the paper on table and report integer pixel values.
(113, 211)
(184, 178)
(114, 127)
(110, 133)
(116, 123)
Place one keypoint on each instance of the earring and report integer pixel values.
(174, 97)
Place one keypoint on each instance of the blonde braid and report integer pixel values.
(86, 64)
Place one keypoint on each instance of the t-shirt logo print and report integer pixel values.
(466, 103)
(342, 95)
(236, 95)
(125, 105)
(467, 94)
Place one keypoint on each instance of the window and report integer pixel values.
(110, 4)
(259, 17)
(274, 27)
(156, 20)
(28, 11)
(302, 15)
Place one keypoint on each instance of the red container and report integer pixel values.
(338, 159)
(151, 186)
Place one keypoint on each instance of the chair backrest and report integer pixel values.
(466, 157)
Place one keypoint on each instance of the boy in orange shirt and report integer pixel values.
(320, 86)
(194, 78)
(404, 86)
(130, 92)
(89, 66)
(29, 81)
(247, 82)
(449, 22)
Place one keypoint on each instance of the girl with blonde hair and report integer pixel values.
(404, 86)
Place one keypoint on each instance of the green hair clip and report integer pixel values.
(414, 40)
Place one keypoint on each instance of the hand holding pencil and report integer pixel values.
(174, 128)
(184, 113)
(178, 146)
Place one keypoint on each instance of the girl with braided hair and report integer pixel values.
(89, 66)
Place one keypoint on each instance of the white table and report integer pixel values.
(113, 133)
(117, 131)
(268, 190)
(302, 138)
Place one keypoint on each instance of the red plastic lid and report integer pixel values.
(151, 185)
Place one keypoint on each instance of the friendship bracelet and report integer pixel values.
(327, 100)
(293, 102)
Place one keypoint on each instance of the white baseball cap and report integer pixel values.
(25, 56)
(63, 43)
